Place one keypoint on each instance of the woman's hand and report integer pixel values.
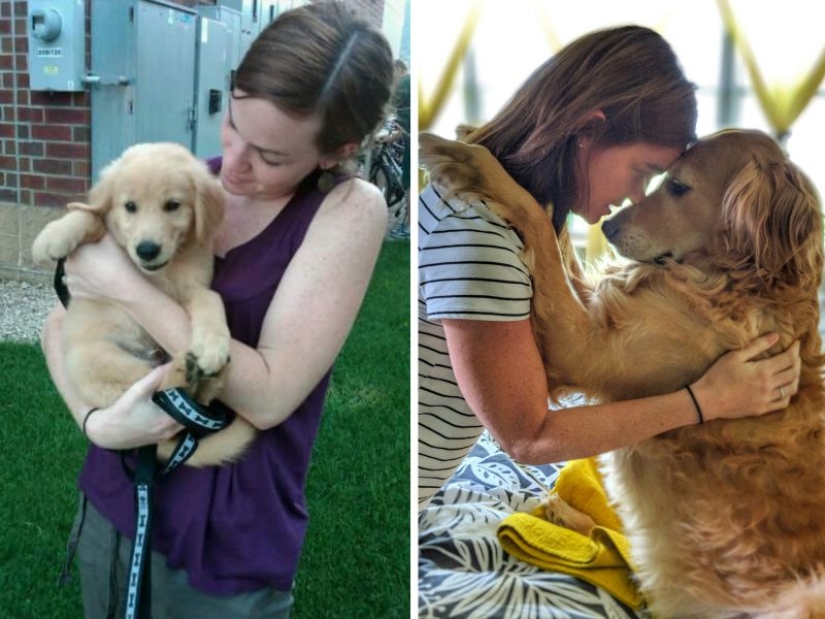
(134, 420)
(738, 386)
(101, 269)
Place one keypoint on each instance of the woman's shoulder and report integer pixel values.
(354, 203)
(439, 206)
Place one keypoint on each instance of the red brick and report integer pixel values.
(25, 196)
(8, 163)
(51, 132)
(6, 62)
(52, 166)
(22, 62)
(30, 181)
(36, 149)
(81, 169)
(58, 99)
(30, 114)
(6, 130)
(68, 185)
(22, 80)
(44, 198)
(25, 164)
(62, 150)
(8, 195)
(67, 116)
(10, 147)
(5, 26)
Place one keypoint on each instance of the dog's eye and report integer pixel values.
(677, 188)
(130, 207)
(171, 205)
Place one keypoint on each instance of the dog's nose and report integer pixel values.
(609, 228)
(147, 250)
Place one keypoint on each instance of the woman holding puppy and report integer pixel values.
(294, 258)
(588, 129)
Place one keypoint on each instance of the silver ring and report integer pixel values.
(781, 393)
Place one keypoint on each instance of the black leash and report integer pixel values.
(198, 421)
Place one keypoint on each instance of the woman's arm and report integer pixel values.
(500, 374)
(307, 321)
(132, 421)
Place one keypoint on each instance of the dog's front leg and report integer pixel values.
(62, 236)
(560, 318)
(202, 366)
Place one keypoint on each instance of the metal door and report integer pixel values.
(141, 76)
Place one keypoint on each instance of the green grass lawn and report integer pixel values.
(356, 558)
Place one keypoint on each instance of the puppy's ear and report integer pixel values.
(102, 193)
(209, 203)
(773, 218)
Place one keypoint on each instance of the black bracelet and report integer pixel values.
(696, 404)
(86, 418)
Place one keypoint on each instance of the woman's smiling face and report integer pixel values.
(266, 152)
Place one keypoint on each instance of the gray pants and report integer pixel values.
(103, 558)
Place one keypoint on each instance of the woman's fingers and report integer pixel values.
(761, 344)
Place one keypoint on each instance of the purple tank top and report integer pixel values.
(239, 527)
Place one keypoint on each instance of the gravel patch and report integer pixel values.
(23, 310)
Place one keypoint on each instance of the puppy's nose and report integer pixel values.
(147, 250)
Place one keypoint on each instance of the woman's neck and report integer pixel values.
(245, 217)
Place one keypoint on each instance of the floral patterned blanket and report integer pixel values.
(463, 571)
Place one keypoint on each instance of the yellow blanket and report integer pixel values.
(602, 559)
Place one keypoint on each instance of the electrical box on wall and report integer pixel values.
(57, 45)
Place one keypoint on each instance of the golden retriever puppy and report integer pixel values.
(162, 205)
(724, 519)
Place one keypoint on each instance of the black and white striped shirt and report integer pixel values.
(469, 267)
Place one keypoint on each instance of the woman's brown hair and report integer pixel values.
(321, 59)
(629, 73)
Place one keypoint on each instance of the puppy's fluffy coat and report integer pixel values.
(725, 519)
(163, 206)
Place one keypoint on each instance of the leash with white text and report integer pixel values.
(199, 421)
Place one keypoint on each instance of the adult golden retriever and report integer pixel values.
(725, 519)
(163, 206)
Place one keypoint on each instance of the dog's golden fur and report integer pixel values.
(163, 206)
(725, 519)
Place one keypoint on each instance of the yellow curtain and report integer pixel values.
(428, 108)
(784, 54)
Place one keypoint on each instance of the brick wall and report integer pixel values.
(44, 136)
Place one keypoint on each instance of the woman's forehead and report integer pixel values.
(268, 128)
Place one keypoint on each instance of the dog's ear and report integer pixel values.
(773, 219)
(209, 203)
(101, 194)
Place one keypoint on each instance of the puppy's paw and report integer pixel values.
(51, 245)
(209, 354)
(560, 512)
(449, 164)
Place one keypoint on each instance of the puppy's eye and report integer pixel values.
(171, 205)
(130, 207)
(677, 188)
